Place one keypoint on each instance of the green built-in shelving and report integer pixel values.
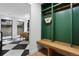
(65, 22)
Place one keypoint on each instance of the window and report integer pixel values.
(20, 27)
(6, 27)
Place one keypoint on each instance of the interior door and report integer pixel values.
(6, 28)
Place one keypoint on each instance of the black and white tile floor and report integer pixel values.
(17, 48)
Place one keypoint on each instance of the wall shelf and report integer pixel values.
(57, 5)
(61, 7)
(48, 12)
(46, 9)
(75, 4)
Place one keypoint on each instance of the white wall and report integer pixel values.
(25, 25)
(35, 27)
(14, 28)
(27, 17)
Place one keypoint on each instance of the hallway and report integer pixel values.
(14, 29)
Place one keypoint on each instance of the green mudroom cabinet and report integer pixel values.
(64, 26)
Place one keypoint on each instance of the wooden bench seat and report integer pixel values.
(60, 47)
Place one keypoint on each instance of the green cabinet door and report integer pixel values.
(63, 26)
(45, 29)
(76, 25)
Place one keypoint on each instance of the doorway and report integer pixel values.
(6, 28)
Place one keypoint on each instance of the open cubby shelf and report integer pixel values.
(61, 7)
(75, 4)
(46, 5)
(65, 21)
(57, 4)
(46, 9)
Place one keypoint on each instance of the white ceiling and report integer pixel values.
(18, 10)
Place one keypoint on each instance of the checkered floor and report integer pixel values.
(17, 48)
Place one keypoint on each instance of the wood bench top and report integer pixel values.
(60, 46)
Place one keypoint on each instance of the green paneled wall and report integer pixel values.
(63, 26)
(66, 29)
(46, 28)
(76, 25)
